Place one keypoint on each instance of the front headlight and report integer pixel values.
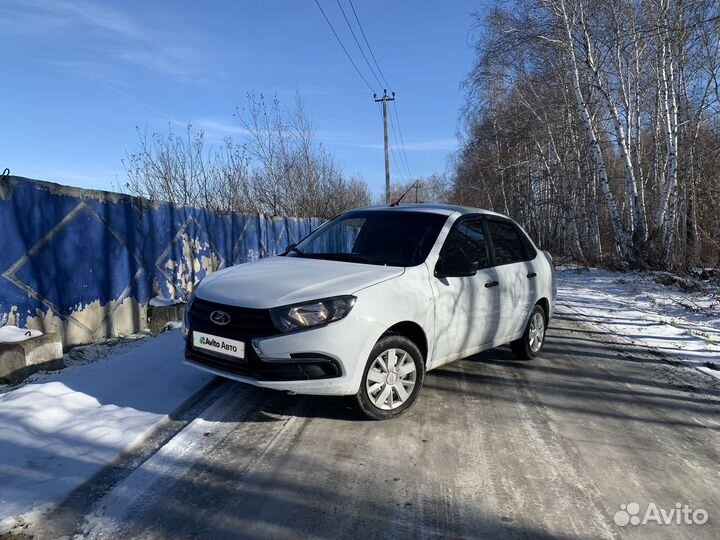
(311, 314)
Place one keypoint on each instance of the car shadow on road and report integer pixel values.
(330, 407)
(579, 365)
(578, 379)
(580, 375)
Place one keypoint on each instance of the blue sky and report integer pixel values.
(78, 77)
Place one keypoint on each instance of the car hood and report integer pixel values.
(278, 281)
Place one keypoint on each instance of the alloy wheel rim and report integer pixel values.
(391, 379)
(537, 332)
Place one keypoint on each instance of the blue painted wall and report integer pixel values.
(63, 249)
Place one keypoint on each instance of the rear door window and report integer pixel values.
(507, 244)
(530, 251)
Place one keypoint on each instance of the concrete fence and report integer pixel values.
(85, 263)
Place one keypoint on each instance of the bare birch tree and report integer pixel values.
(592, 122)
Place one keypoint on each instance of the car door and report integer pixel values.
(515, 272)
(466, 307)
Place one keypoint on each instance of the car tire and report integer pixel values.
(531, 343)
(382, 395)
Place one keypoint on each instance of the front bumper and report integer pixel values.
(327, 360)
(320, 387)
(305, 367)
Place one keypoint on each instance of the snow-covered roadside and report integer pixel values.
(683, 325)
(59, 430)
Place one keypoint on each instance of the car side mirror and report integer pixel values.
(455, 266)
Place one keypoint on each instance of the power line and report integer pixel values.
(368, 45)
(358, 43)
(405, 162)
(402, 141)
(343, 46)
(397, 144)
(398, 165)
(394, 151)
(401, 162)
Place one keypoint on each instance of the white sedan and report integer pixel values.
(371, 301)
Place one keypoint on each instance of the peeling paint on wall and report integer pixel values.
(85, 263)
(10, 318)
(195, 260)
(92, 322)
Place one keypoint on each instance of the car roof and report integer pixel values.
(444, 209)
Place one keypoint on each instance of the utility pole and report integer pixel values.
(384, 101)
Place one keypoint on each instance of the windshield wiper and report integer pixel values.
(346, 257)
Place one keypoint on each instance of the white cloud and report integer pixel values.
(433, 145)
(217, 130)
(168, 48)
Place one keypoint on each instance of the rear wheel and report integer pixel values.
(392, 378)
(531, 343)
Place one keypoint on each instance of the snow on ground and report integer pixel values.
(61, 429)
(13, 334)
(681, 321)
(86, 354)
(161, 301)
(58, 430)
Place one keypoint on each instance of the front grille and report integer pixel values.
(244, 322)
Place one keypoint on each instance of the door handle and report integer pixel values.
(491, 284)
(532, 275)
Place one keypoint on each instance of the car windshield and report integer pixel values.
(382, 237)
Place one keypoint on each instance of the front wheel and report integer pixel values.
(392, 378)
(533, 339)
